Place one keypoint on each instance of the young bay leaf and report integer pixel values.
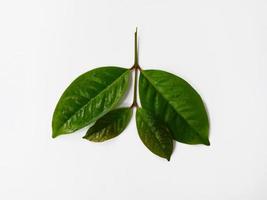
(110, 125)
(154, 134)
(172, 100)
(89, 97)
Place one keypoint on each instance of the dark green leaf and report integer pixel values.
(89, 97)
(110, 125)
(154, 134)
(174, 101)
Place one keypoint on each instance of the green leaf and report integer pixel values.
(154, 134)
(172, 100)
(110, 125)
(89, 97)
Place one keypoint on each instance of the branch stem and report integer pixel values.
(135, 67)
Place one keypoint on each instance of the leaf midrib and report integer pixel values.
(91, 99)
(172, 105)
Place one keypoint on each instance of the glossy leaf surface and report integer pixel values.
(110, 125)
(154, 134)
(89, 97)
(172, 100)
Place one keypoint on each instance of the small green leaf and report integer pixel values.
(173, 101)
(110, 125)
(89, 97)
(154, 134)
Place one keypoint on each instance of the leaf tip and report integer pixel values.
(55, 130)
(207, 142)
(54, 135)
(84, 137)
(167, 156)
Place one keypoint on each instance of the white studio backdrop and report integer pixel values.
(220, 47)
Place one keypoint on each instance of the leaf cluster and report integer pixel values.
(171, 110)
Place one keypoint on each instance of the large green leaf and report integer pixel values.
(172, 100)
(89, 97)
(110, 125)
(154, 134)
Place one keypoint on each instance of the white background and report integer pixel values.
(220, 47)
